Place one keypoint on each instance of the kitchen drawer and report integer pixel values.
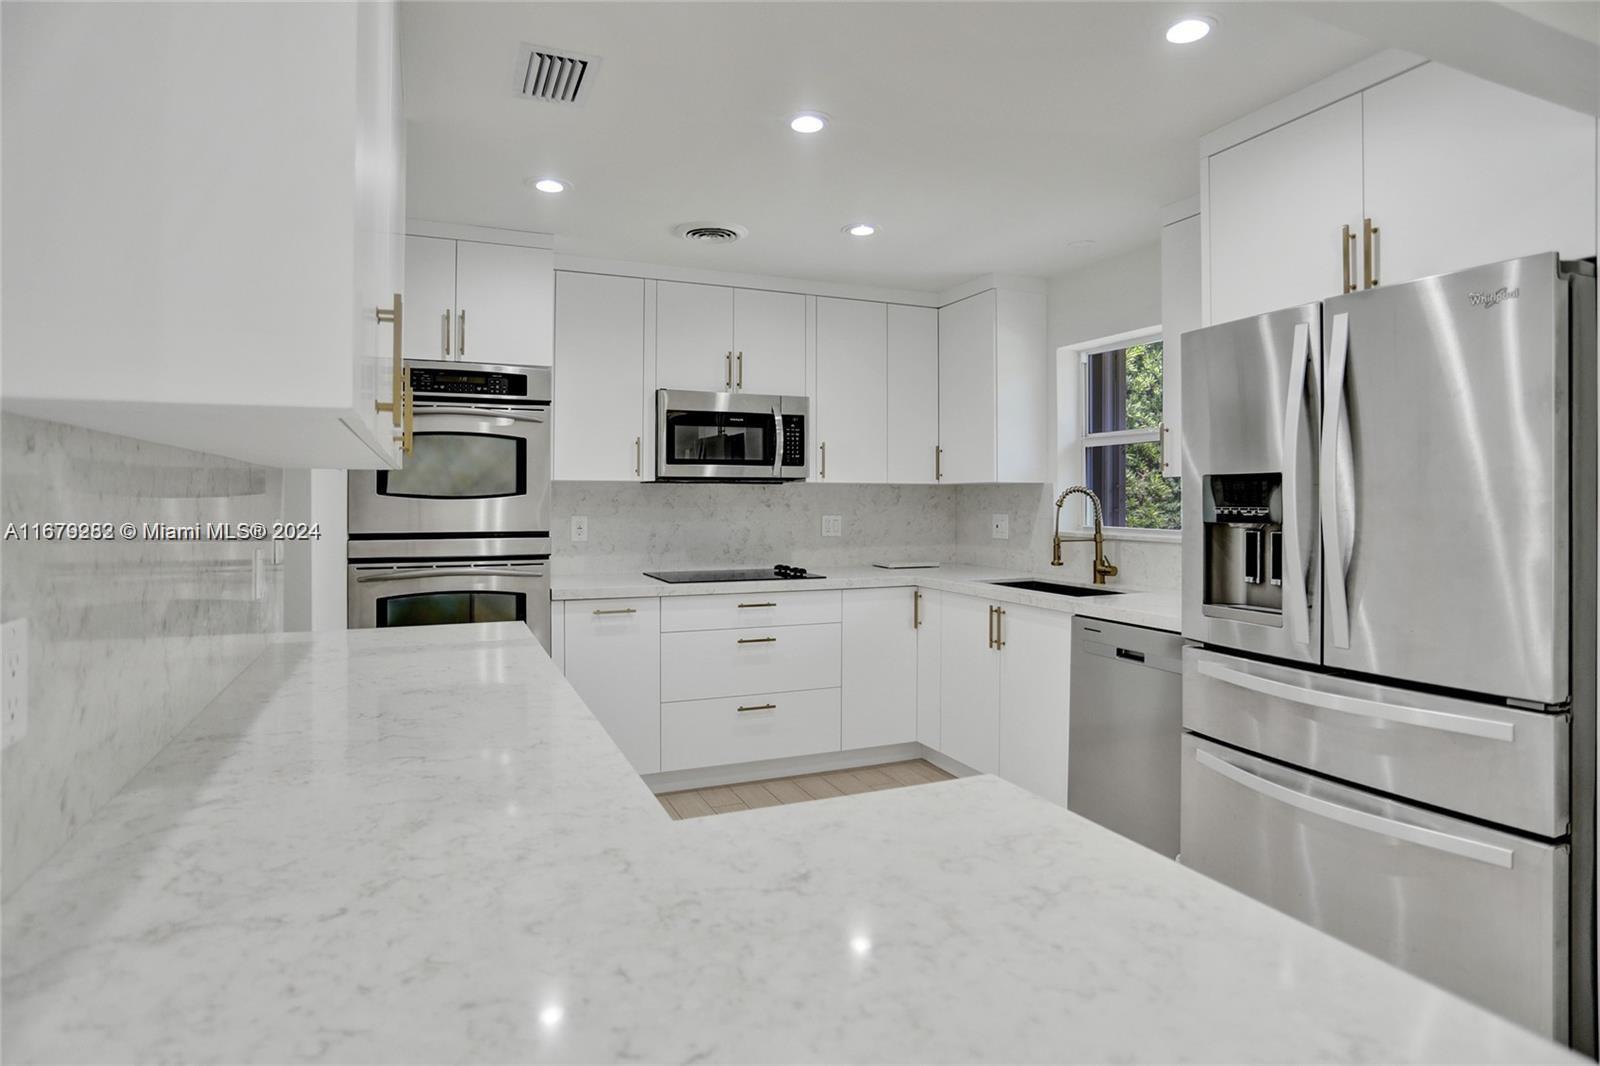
(737, 729)
(1481, 759)
(730, 662)
(738, 610)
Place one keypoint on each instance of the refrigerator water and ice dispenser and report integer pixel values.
(1244, 547)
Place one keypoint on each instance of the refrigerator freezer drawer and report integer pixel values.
(1485, 760)
(1480, 912)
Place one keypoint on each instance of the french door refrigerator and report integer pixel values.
(1388, 583)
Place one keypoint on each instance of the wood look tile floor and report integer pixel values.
(725, 799)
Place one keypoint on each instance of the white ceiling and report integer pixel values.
(980, 137)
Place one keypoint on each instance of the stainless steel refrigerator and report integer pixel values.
(1388, 580)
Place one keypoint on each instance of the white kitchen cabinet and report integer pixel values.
(992, 395)
(912, 388)
(769, 342)
(930, 615)
(1459, 171)
(753, 728)
(879, 670)
(1180, 312)
(598, 379)
(694, 336)
(730, 662)
(969, 684)
(195, 258)
(741, 610)
(613, 660)
(1276, 205)
(851, 400)
(478, 301)
(1035, 664)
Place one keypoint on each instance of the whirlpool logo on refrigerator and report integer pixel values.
(1491, 299)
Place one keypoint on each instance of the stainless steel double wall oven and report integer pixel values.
(461, 533)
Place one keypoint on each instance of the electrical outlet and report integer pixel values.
(580, 528)
(1000, 526)
(832, 525)
(13, 682)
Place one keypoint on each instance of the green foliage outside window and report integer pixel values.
(1152, 499)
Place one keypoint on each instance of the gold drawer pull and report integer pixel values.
(758, 640)
(768, 604)
(618, 610)
(759, 707)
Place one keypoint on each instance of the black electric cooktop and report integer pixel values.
(776, 573)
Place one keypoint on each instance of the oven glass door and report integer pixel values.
(445, 592)
(449, 608)
(739, 439)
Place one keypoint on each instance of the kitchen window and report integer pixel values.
(1122, 423)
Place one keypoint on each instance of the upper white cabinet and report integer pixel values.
(1460, 171)
(879, 668)
(716, 339)
(199, 234)
(598, 384)
(478, 301)
(912, 423)
(1180, 312)
(992, 395)
(852, 338)
(1427, 172)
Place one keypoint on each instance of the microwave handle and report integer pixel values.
(412, 575)
(777, 441)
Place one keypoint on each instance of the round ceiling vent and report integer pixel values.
(710, 232)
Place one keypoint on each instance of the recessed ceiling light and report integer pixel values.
(548, 184)
(861, 229)
(1188, 30)
(808, 122)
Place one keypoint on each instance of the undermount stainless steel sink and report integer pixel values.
(1059, 590)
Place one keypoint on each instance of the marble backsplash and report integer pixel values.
(656, 526)
(127, 639)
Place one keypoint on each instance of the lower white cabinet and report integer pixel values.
(613, 659)
(1035, 677)
(879, 675)
(969, 684)
(730, 662)
(736, 729)
(930, 613)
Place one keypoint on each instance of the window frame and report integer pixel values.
(1076, 467)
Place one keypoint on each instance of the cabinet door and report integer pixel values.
(969, 685)
(931, 623)
(694, 336)
(613, 651)
(1276, 206)
(502, 304)
(769, 341)
(1034, 679)
(598, 378)
(913, 394)
(1180, 312)
(1461, 172)
(967, 389)
(851, 397)
(430, 293)
(880, 667)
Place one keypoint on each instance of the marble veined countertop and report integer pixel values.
(417, 845)
(1133, 605)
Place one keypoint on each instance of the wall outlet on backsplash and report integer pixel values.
(1000, 526)
(832, 525)
(13, 682)
(580, 528)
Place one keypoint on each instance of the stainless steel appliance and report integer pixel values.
(461, 532)
(1389, 568)
(731, 436)
(776, 573)
(1127, 720)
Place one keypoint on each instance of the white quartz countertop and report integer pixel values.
(417, 845)
(1130, 604)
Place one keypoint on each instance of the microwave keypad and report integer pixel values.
(794, 440)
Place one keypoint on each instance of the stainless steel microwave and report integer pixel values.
(731, 436)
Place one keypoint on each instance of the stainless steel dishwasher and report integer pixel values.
(1124, 753)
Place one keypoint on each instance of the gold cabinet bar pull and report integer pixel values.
(824, 459)
(759, 707)
(999, 628)
(765, 603)
(1347, 243)
(740, 380)
(727, 374)
(461, 333)
(938, 463)
(1369, 270)
(617, 610)
(991, 625)
(916, 608)
(638, 456)
(758, 640)
(397, 385)
(444, 323)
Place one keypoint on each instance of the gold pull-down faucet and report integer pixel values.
(1102, 568)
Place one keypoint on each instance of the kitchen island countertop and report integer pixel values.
(409, 845)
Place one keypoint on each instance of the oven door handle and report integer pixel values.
(419, 411)
(411, 575)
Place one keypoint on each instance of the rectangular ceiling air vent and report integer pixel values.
(554, 76)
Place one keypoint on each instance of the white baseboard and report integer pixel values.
(737, 773)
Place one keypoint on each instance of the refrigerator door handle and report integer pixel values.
(1421, 717)
(1295, 606)
(1333, 557)
(1451, 844)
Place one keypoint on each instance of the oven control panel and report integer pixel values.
(794, 440)
(473, 382)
